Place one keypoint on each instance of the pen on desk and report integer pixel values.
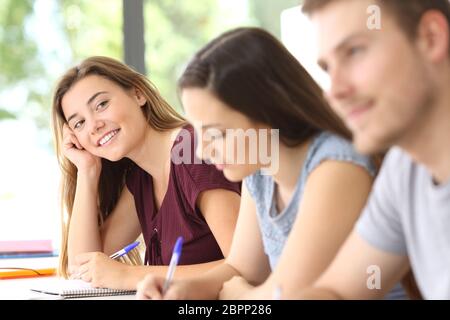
(173, 263)
(124, 251)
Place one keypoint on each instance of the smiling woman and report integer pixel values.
(96, 124)
(114, 136)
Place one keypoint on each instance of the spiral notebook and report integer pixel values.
(75, 289)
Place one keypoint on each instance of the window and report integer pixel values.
(40, 39)
(175, 30)
(297, 34)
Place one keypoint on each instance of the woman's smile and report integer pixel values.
(107, 138)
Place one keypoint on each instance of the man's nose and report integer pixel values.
(340, 85)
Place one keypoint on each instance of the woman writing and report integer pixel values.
(292, 221)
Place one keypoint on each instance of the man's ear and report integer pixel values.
(433, 36)
(139, 97)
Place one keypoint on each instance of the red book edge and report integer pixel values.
(26, 246)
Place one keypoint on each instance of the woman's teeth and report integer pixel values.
(108, 137)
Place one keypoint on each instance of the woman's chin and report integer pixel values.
(113, 158)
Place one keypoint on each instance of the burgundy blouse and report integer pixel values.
(179, 214)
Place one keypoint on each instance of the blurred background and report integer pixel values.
(40, 39)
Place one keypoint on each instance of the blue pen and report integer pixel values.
(173, 263)
(124, 251)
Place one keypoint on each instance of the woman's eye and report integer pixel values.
(101, 105)
(221, 135)
(78, 124)
(354, 50)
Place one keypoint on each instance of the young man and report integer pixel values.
(389, 65)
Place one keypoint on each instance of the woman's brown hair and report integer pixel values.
(253, 73)
(158, 113)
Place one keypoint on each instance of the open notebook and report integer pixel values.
(75, 289)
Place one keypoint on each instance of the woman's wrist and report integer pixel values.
(88, 175)
(129, 277)
(132, 275)
(201, 289)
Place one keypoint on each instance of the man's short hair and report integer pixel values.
(407, 12)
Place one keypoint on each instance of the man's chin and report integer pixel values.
(369, 146)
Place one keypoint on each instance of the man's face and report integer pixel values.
(380, 83)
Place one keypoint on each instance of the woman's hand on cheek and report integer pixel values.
(81, 158)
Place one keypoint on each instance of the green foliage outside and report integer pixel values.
(16, 50)
(174, 30)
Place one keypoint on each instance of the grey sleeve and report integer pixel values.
(335, 148)
(251, 184)
(380, 223)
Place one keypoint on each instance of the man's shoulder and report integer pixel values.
(398, 158)
(398, 171)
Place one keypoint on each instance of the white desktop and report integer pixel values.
(20, 288)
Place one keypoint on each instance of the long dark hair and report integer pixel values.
(253, 73)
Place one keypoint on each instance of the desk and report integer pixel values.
(43, 265)
(19, 289)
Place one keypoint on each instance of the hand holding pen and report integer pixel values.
(173, 263)
(86, 263)
(155, 287)
(124, 251)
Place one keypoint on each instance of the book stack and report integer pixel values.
(27, 258)
(26, 249)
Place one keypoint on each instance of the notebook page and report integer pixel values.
(75, 288)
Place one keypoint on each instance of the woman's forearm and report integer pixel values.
(208, 277)
(84, 234)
